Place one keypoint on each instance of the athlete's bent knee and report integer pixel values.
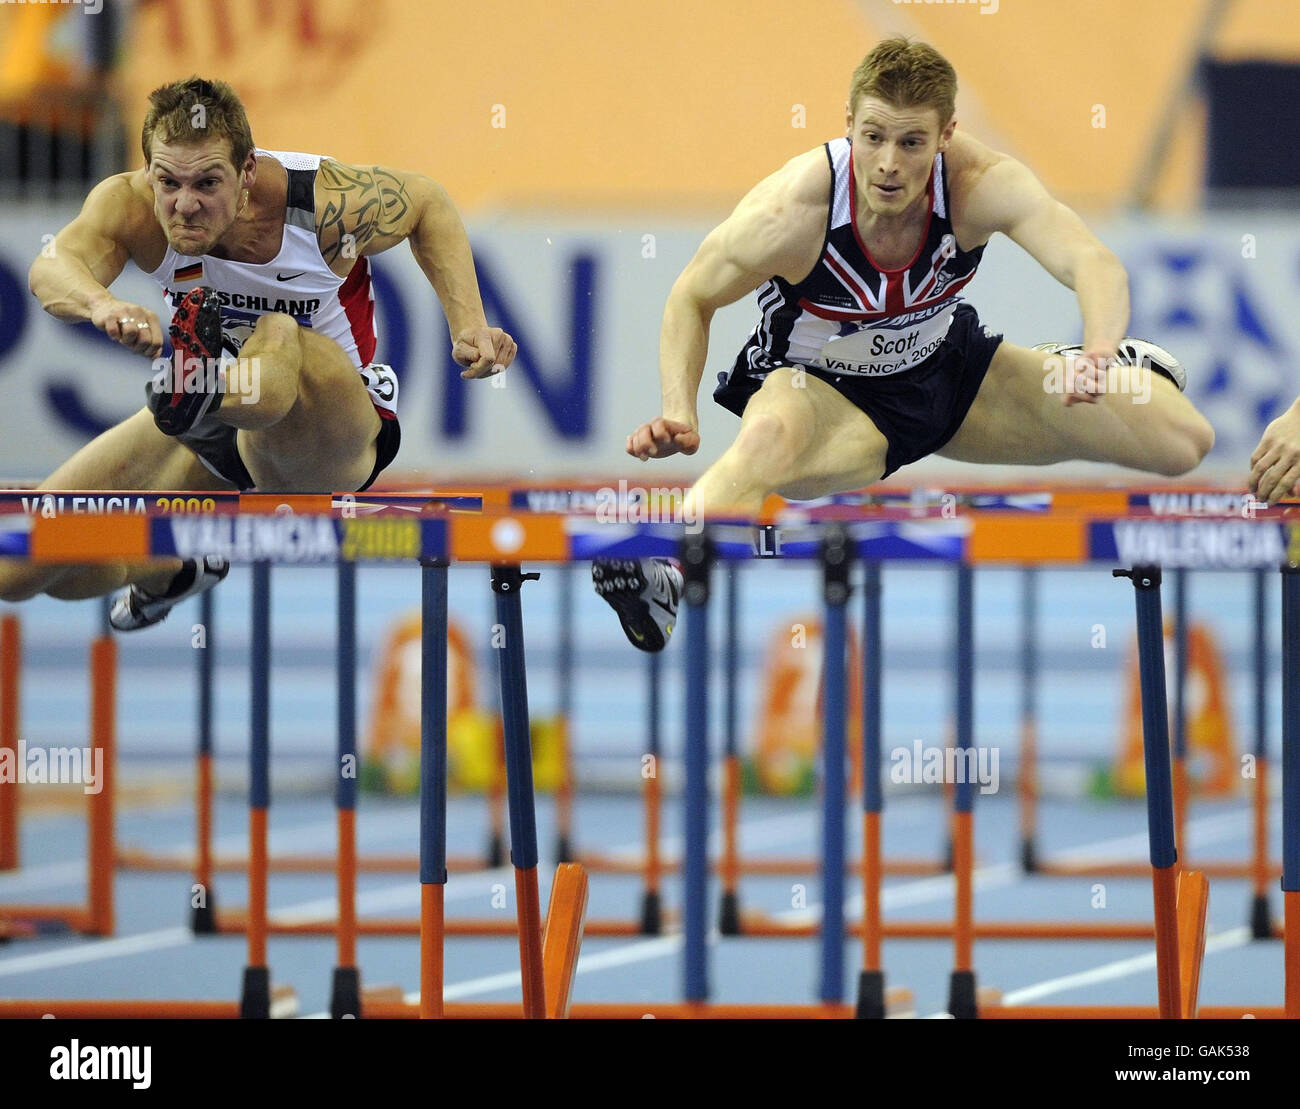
(275, 327)
(1188, 446)
(768, 443)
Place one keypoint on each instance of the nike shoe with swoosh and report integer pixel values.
(645, 593)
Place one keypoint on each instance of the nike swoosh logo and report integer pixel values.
(289, 276)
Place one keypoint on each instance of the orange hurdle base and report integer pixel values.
(133, 858)
(664, 1010)
(284, 1004)
(235, 922)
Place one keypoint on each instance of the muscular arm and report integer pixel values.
(367, 209)
(724, 269)
(71, 278)
(768, 234)
(1007, 197)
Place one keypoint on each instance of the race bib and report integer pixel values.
(381, 384)
(877, 352)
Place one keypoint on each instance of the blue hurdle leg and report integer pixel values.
(255, 1000)
(837, 558)
(1261, 916)
(651, 903)
(506, 583)
(1180, 782)
(1027, 778)
(729, 906)
(961, 989)
(697, 559)
(1160, 795)
(345, 988)
(433, 782)
(1291, 786)
(203, 920)
(564, 848)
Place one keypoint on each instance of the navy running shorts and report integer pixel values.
(917, 410)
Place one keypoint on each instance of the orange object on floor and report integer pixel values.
(790, 721)
(1214, 769)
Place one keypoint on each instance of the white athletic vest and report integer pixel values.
(851, 317)
(296, 281)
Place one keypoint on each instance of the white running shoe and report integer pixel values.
(644, 592)
(1133, 352)
(134, 608)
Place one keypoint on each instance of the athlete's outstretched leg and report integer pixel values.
(1020, 418)
(132, 455)
(799, 437)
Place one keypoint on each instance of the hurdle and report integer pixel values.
(548, 957)
(757, 924)
(649, 865)
(258, 999)
(835, 553)
(1259, 868)
(548, 961)
(204, 861)
(968, 541)
(346, 863)
(1179, 897)
(1180, 908)
(95, 915)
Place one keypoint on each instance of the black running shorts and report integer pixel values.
(216, 445)
(917, 410)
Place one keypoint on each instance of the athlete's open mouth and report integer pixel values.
(889, 190)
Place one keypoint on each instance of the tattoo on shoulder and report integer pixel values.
(364, 206)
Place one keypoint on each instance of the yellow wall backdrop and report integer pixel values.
(680, 106)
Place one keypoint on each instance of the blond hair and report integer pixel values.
(907, 75)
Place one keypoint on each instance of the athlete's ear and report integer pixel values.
(945, 136)
(249, 170)
(848, 119)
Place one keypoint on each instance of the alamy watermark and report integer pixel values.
(83, 766)
(242, 376)
(1061, 374)
(986, 7)
(634, 504)
(921, 765)
(102, 1062)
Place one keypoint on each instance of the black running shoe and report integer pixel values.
(644, 593)
(134, 608)
(189, 388)
(1132, 352)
